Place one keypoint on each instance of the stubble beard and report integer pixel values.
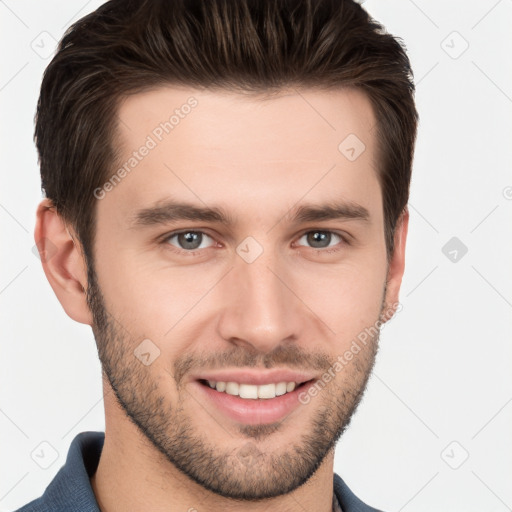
(244, 470)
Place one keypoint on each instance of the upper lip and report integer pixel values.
(254, 376)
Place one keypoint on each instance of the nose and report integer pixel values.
(260, 309)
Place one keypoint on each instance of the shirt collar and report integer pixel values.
(71, 490)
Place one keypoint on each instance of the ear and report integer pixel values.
(63, 262)
(396, 266)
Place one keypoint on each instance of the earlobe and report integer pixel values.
(63, 262)
(396, 266)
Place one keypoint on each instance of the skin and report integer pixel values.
(295, 306)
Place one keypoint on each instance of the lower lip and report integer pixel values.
(254, 411)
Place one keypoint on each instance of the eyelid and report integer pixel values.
(325, 249)
(165, 238)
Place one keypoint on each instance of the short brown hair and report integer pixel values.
(126, 46)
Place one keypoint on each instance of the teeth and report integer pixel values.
(248, 391)
(252, 391)
(281, 388)
(290, 386)
(267, 391)
(232, 388)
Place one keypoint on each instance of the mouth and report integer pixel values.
(253, 391)
(251, 403)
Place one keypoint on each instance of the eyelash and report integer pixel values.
(169, 236)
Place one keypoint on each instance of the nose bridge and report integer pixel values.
(260, 310)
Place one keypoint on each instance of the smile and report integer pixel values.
(251, 391)
(249, 403)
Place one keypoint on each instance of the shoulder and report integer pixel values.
(70, 490)
(348, 500)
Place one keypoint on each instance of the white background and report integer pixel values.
(441, 390)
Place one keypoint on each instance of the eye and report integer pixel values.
(189, 240)
(318, 239)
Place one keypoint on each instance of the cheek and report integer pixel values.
(347, 299)
(150, 298)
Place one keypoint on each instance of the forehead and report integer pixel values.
(215, 118)
(229, 148)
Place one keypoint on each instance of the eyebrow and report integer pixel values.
(169, 211)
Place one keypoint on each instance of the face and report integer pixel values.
(237, 259)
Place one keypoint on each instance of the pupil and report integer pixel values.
(319, 239)
(190, 239)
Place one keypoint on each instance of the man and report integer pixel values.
(226, 205)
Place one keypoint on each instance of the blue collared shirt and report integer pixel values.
(71, 491)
